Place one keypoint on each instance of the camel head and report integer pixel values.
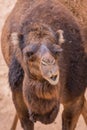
(40, 53)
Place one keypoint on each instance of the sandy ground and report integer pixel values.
(7, 110)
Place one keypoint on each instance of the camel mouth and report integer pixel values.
(53, 77)
(53, 80)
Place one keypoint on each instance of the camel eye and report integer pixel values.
(30, 50)
(29, 54)
(56, 50)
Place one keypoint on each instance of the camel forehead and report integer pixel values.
(39, 32)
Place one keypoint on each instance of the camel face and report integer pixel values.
(42, 61)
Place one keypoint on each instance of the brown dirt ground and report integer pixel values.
(7, 110)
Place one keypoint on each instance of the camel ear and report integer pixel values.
(61, 37)
(17, 40)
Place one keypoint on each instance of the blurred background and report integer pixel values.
(7, 110)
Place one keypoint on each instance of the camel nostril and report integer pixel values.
(54, 77)
(44, 63)
(47, 61)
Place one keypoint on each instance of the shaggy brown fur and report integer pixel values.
(37, 24)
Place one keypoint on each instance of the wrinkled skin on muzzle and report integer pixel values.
(49, 69)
